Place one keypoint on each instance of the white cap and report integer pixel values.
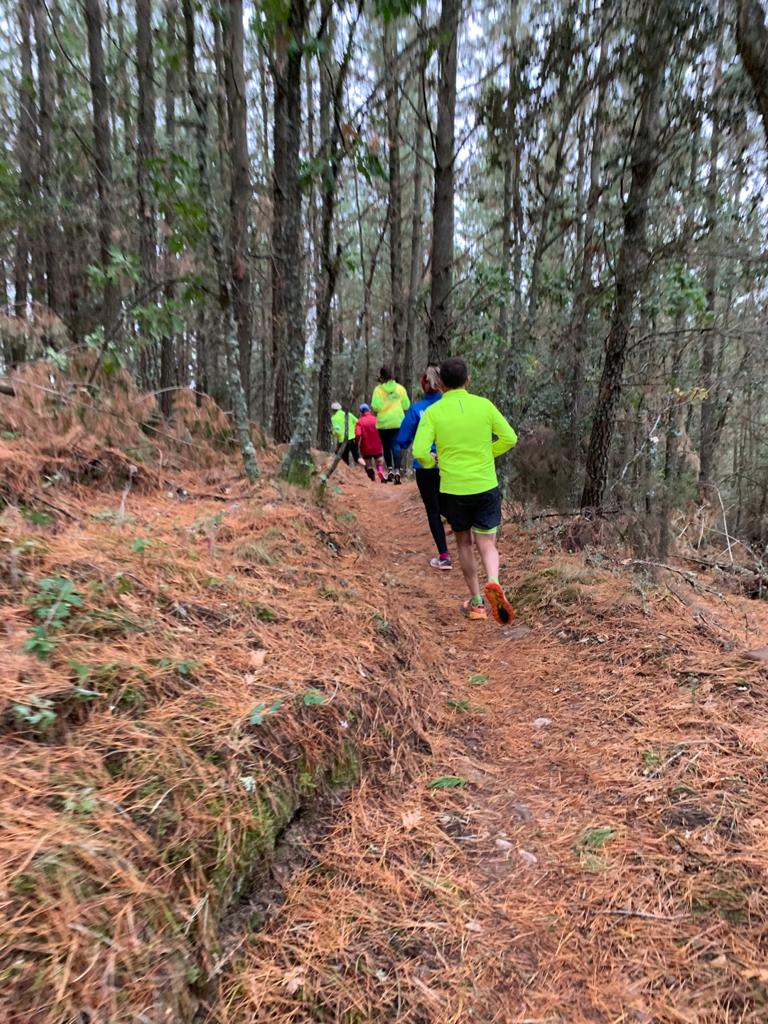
(335, 406)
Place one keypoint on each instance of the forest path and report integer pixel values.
(605, 865)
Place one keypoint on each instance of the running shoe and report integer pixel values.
(397, 477)
(501, 609)
(441, 563)
(371, 474)
(474, 611)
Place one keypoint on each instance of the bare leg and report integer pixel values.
(467, 561)
(489, 554)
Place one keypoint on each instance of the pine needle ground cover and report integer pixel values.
(255, 766)
(179, 678)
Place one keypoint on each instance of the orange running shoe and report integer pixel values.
(501, 609)
(474, 611)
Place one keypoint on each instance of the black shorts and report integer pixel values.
(472, 511)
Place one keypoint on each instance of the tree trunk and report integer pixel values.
(711, 404)
(752, 44)
(632, 267)
(287, 301)
(416, 270)
(240, 187)
(48, 177)
(397, 296)
(237, 395)
(442, 210)
(145, 155)
(582, 300)
(265, 291)
(102, 155)
(299, 458)
(25, 151)
(170, 368)
(322, 233)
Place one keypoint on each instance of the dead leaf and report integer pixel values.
(411, 819)
(256, 659)
(473, 926)
(294, 980)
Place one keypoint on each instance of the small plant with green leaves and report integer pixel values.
(140, 545)
(182, 667)
(52, 604)
(37, 713)
(590, 844)
(459, 705)
(35, 517)
(263, 711)
(448, 782)
(312, 698)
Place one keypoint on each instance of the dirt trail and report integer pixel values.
(607, 864)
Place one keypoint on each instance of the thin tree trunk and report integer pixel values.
(145, 155)
(508, 157)
(102, 152)
(331, 110)
(25, 150)
(632, 267)
(170, 367)
(265, 303)
(442, 210)
(416, 271)
(397, 295)
(582, 300)
(710, 406)
(324, 265)
(240, 191)
(287, 301)
(48, 176)
(237, 395)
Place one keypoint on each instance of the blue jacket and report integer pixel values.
(410, 423)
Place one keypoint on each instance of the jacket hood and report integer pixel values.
(390, 387)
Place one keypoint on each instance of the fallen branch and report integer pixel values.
(6, 388)
(621, 912)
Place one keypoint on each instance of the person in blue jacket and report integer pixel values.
(427, 480)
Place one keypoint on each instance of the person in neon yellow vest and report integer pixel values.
(390, 402)
(469, 434)
(343, 424)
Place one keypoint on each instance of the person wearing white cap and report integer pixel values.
(344, 424)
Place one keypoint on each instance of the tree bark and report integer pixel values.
(145, 154)
(240, 184)
(582, 302)
(25, 154)
(752, 44)
(632, 266)
(442, 210)
(416, 268)
(48, 176)
(102, 154)
(169, 366)
(287, 301)
(710, 406)
(200, 105)
(397, 296)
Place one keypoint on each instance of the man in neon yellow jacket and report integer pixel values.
(343, 424)
(462, 427)
(390, 402)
